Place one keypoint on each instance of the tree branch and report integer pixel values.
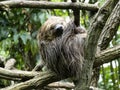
(76, 13)
(107, 55)
(66, 85)
(10, 78)
(10, 64)
(110, 28)
(96, 65)
(16, 74)
(40, 81)
(94, 32)
(107, 34)
(96, 27)
(46, 5)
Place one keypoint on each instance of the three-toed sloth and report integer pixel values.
(62, 46)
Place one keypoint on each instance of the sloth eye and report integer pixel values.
(52, 27)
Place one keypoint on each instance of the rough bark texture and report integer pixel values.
(110, 28)
(91, 44)
(39, 81)
(107, 56)
(16, 74)
(102, 48)
(46, 5)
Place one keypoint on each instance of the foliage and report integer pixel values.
(110, 76)
(19, 29)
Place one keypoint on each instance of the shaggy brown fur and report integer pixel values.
(62, 48)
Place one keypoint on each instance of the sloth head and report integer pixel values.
(52, 28)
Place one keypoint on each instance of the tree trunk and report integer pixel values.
(91, 44)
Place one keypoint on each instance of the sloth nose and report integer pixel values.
(59, 29)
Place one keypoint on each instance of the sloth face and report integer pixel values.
(52, 28)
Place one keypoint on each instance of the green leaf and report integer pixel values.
(7, 43)
(25, 36)
(15, 38)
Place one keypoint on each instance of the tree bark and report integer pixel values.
(46, 5)
(107, 55)
(110, 28)
(76, 13)
(39, 81)
(91, 44)
(102, 47)
(16, 74)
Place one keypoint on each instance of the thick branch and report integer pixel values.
(107, 55)
(16, 74)
(66, 85)
(110, 28)
(107, 34)
(10, 78)
(47, 5)
(91, 43)
(102, 47)
(96, 28)
(40, 81)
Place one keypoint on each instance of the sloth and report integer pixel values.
(61, 46)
